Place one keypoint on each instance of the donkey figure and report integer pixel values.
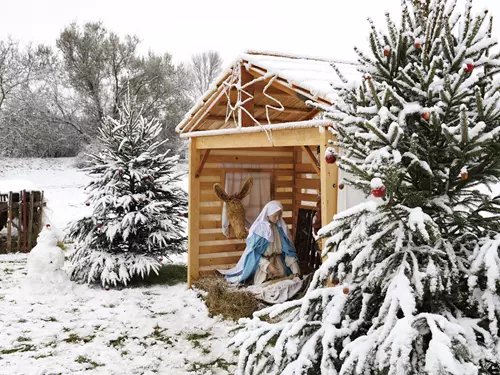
(234, 207)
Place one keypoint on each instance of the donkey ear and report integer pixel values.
(221, 193)
(245, 189)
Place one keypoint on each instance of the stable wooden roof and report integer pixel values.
(262, 89)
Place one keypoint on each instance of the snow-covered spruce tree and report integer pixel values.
(137, 205)
(412, 279)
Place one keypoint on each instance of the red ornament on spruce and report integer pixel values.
(99, 225)
(330, 156)
(426, 116)
(87, 204)
(335, 282)
(469, 68)
(341, 186)
(107, 288)
(464, 174)
(417, 45)
(378, 188)
(47, 226)
(387, 53)
(160, 260)
(379, 192)
(346, 290)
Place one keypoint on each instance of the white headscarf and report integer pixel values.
(262, 225)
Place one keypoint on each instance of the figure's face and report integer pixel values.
(274, 217)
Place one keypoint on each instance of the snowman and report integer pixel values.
(45, 262)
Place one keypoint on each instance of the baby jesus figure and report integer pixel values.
(269, 253)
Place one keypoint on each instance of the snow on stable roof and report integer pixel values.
(256, 129)
(15, 186)
(314, 75)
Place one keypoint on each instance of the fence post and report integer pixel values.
(19, 227)
(30, 222)
(9, 223)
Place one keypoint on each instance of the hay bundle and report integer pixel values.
(222, 299)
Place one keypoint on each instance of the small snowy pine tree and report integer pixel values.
(416, 271)
(137, 207)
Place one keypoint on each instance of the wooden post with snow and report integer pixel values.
(9, 223)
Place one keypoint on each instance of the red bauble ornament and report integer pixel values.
(387, 52)
(469, 68)
(99, 225)
(160, 260)
(87, 204)
(417, 45)
(107, 288)
(426, 116)
(335, 282)
(379, 192)
(47, 226)
(464, 176)
(330, 158)
(341, 186)
(346, 290)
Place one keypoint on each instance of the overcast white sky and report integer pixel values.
(326, 28)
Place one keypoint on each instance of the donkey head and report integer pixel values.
(234, 207)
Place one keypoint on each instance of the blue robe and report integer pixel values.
(258, 246)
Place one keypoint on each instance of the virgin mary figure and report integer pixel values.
(269, 253)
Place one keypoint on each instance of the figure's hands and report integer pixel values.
(273, 272)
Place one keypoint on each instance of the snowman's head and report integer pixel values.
(47, 237)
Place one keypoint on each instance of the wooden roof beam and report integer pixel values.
(314, 161)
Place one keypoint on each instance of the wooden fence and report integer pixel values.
(23, 212)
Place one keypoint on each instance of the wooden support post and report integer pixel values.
(20, 218)
(193, 214)
(9, 223)
(30, 222)
(295, 204)
(245, 78)
(329, 183)
(202, 163)
(314, 161)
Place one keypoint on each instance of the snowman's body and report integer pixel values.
(45, 263)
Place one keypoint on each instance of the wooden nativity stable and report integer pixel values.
(255, 118)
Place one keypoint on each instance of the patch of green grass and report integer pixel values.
(51, 344)
(110, 306)
(19, 349)
(43, 356)
(8, 271)
(159, 336)
(22, 321)
(118, 342)
(74, 338)
(202, 368)
(65, 329)
(2, 298)
(124, 353)
(169, 274)
(50, 319)
(197, 336)
(23, 339)
(82, 359)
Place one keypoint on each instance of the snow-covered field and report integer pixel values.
(148, 330)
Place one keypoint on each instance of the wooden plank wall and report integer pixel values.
(307, 182)
(215, 251)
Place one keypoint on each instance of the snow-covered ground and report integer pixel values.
(148, 330)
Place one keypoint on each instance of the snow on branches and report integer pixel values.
(138, 208)
(410, 280)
